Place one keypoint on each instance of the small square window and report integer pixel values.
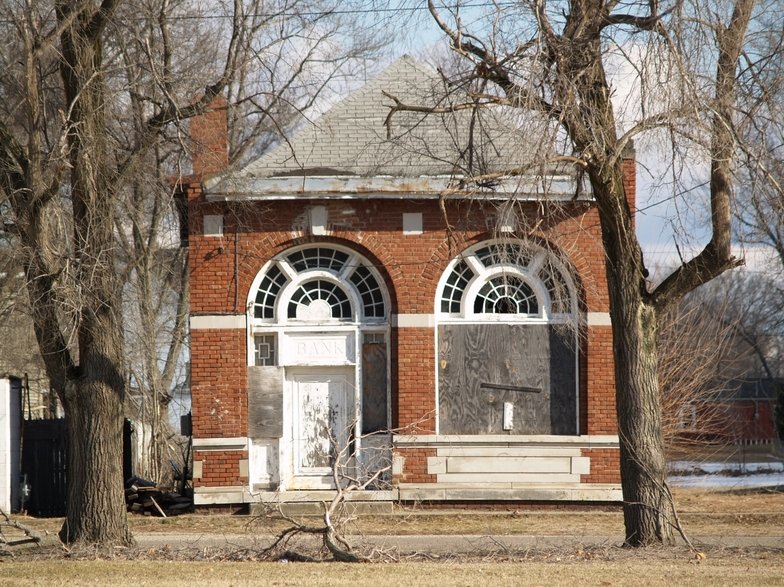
(264, 354)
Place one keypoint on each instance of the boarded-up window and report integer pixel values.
(265, 402)
(483, 366)
(374, 384)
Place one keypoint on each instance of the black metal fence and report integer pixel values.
(45, 466)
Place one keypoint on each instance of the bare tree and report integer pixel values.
(61, 170)
(550, 60)
(351, 471)
(19, 354)
(698, 362)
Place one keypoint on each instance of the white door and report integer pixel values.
(323, 418)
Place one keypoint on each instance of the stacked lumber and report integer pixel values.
(145, 498)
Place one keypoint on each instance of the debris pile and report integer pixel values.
(146, 498)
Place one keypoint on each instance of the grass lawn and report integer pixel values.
(705, 514)
(638, 570)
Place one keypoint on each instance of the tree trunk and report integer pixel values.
(646, 505)
(96, 512)
(647, 509)
(95, 388)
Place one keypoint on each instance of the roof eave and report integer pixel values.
(551, 188)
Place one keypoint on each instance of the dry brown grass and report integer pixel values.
(736, 569)
(703, 513)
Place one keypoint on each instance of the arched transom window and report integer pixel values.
(509, 281)
(320, 283)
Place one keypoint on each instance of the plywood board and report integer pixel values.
(483, 366)
(374, 387)
(265, 402)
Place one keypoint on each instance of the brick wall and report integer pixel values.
(415, 466)
(605, 465)
(599, 377)
(415, 366)
(219, 401)
(411, 265)
(220, 468)
(209, 139)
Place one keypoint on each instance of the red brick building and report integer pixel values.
(355, 297)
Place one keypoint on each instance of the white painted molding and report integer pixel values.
(413, 320)
(218, 322)
(599, 319)
(220, 495)
(561, 187)
(236, 443)
(511, 491)
(499, 440)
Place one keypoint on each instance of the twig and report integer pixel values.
(31, 536)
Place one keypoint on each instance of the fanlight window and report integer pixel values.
(319, 300)
(455, 287)
(520, 279)
(315, 298)
(506, 295)
(512, 254)
(318, 258)
(269, 289)
(370, 292)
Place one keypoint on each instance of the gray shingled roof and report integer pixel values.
(349, 150)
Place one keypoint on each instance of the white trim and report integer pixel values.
(531, 275)
(413, 320)
(295, 278)
(500, 440)
(236, 443)
(599, 319)
(414, 492)
(218, 322)
(561, 187)
(221, 495)
(479, 281)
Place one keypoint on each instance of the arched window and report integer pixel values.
(320, 283)
(318, 310)
(520, 280)
(507, 342)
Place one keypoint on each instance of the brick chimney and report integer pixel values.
(210, 139)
